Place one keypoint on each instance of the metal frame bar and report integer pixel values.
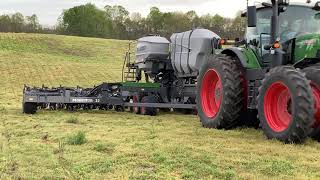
(105, 96)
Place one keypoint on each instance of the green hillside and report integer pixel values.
(120, 145)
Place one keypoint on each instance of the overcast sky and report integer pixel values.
(49, 10)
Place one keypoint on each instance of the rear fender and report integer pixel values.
(237, 55)
(246, 57)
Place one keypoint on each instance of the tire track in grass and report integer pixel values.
(38, 73)
(51, 73)
(29, 74)
(10, 82)
(60, 74)
(72, 75)
(5, 82)
(47, 73)
(20, 75)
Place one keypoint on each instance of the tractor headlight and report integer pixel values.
(310, 42)
(283, 2)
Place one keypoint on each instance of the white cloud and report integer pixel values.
(49, 10)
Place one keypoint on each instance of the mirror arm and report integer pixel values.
(266, 4)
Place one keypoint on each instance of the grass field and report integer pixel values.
(107, 145)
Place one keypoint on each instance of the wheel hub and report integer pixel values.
(211, 93)
(218, 93)
(278, 107)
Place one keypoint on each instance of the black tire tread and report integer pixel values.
(233, 99)
(313, 74)
(299, 129)
(29, 108)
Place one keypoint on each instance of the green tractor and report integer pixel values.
(273, 73)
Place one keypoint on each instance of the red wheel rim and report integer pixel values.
(143, 109)
(277, 107)
(211, 93)
(316, 95)
(135, 99)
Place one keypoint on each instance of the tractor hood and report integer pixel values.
(307, 46)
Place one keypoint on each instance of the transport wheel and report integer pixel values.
(149, 110)
(119, 108)
(286, 105)
(70, 108)
(110, 107)
(219, 93)
(313, 75)
(29, 108)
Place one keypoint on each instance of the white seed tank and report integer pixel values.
(152, 48)
(189, 50)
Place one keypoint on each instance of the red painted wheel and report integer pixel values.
(211, 93)
(135, 99)
(277, 107)
(313, 75)
(316, 95)
(143, 110)
(219, 93)
(286, 105)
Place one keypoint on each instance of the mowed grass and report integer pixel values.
(111, 145)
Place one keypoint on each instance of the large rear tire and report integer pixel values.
(29, 108)
(219, 93)
(313, 75)
(285, 105)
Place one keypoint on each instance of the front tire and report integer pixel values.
(313, 74)
(219, 93)
(285, 105)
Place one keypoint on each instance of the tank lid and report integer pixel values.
(154, 39)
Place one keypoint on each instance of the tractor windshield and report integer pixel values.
(297, 20)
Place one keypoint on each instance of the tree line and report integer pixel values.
(117, 23)
(18, 23)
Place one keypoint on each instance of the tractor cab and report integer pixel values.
(296, 32)
(296, 20)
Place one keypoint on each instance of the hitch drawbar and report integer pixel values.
(104, 97)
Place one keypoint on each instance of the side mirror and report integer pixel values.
(252, 16)
(317, 6)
